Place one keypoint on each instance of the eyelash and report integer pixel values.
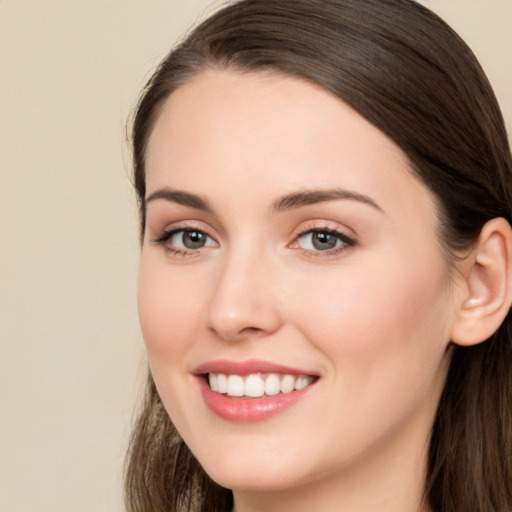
(346, 241)
(167, 235)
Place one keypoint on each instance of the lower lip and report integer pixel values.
(249, 410)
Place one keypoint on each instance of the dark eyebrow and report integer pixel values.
(179, 197)
(310, 197)
(287, 202)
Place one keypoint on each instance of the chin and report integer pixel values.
(246, 473)
(254, 480)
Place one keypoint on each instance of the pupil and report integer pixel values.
(324, 241)
(193, 239)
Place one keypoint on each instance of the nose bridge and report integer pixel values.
(242, 303)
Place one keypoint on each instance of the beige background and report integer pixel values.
(71, 355)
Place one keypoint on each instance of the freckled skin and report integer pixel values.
(373, 320)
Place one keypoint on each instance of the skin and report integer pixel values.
(372, 319)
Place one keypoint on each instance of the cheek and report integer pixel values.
(384, 337)
(169, 310)
(381, 321)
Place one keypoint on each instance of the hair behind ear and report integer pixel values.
(470, 454)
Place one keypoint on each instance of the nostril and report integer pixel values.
(250, 330)
(238, 335)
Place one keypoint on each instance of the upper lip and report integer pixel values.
(248, 367)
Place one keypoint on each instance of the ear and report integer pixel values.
(487, 285)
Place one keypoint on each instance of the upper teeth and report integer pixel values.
(256, 385)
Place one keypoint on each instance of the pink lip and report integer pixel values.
(247, 367)
(244, 409)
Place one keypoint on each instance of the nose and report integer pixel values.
(244, 303)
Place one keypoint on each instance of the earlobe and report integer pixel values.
(487, 287)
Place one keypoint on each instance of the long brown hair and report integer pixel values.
(407, 72)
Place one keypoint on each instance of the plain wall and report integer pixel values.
(71, 354)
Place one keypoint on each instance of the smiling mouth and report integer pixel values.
(257, 385)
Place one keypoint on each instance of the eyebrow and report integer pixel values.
(311, 197)
(291, 201)
(180, 197)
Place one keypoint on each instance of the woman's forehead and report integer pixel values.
(270, 120)
(273, 133)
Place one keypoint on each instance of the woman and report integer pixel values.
(325, 278)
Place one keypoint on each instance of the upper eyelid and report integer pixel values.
(182, 225)
(157, 225)
(327, 229)
(324, 225)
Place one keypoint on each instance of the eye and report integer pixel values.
(183, 241)
(324, 240)
(189, 239)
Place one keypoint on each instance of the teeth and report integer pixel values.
(213, 379)
(256, 385)
(301, 383)
(222, 383)
(235, 385)
(272, 385)
(287, 384)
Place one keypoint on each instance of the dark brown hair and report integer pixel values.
(407, 72)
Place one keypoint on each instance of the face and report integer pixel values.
(290, 258)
